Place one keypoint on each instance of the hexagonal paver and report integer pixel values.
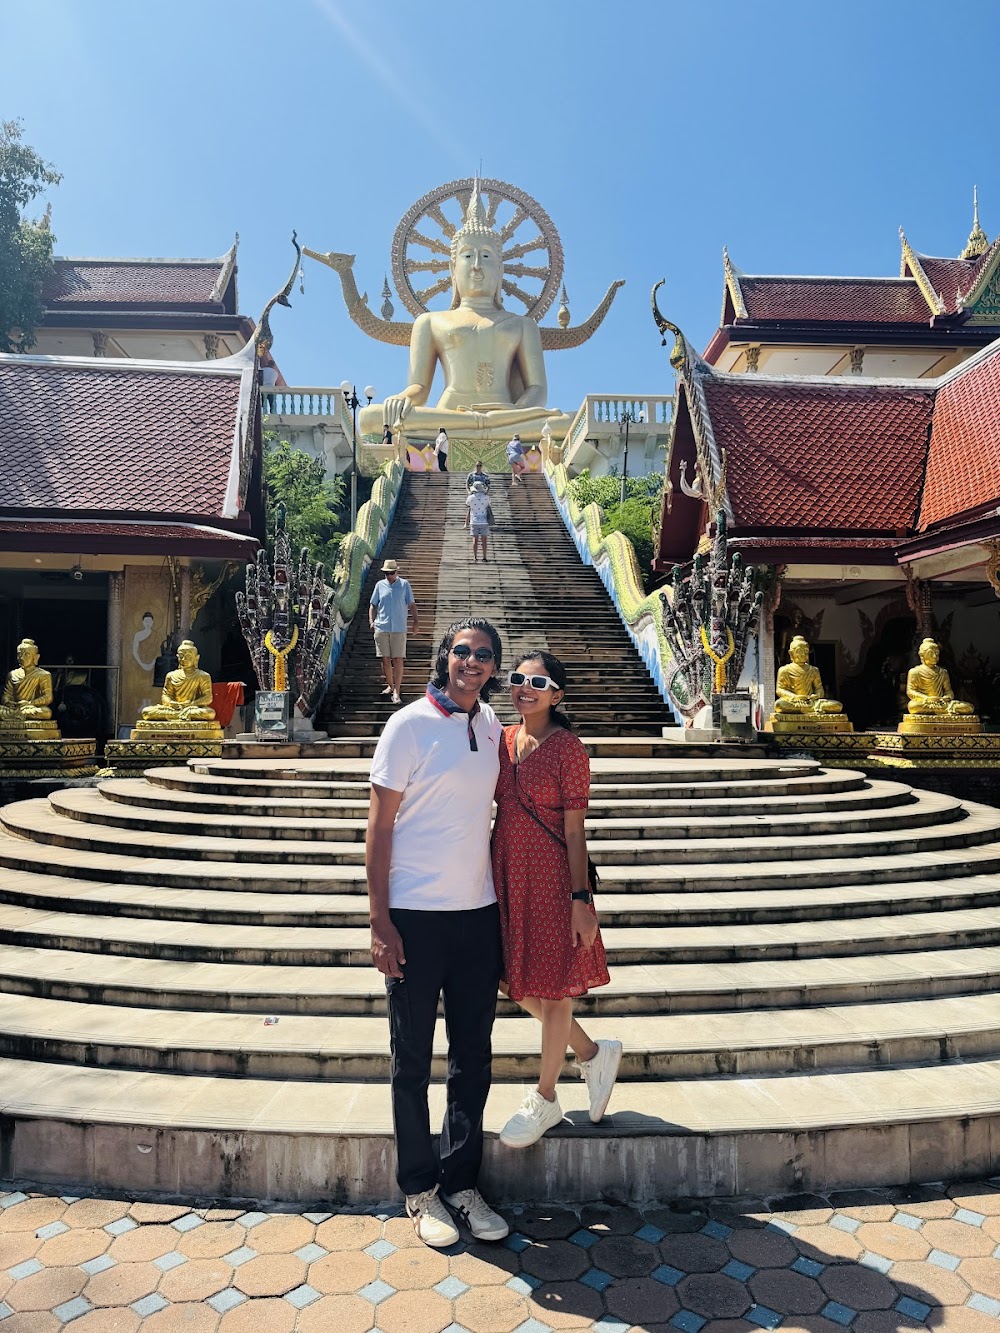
(196, 1280)
(977, 1198)
(342, 1314)
(344, 1272)
(888, 1321)
(625, 1256)
(144, 1243)
(546, 1223)
(74, 1247)
(762, 1247)
(858, 1287)
(954, 1237)
(414, 1312)
(283, 1235)
(122, 1284)
(565, 1305)
(185, 1318)
(484, 1265)
(31, 1214)
(641, 1300)
(269, 1275)
(554, 1260)
(113, 1321)
(863, 1205)
(790, 1293)
(714, 1295)
(46, 1289)
(264, 1316)
(611, 1219)
(16, 1247)
(214, 1239)
(804, 1209)
(408, 1270)
(982, 1275)
(488, 1310)
(694, 1253)
(157, 1212)
(349, 1232)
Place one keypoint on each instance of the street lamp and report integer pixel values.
(351, 400)
(629, 420)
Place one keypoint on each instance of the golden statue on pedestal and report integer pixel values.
(26, 706)
(933, 708)
(801, 704)
(185, 708)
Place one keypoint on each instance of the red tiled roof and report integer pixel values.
(840, 457)
(110, 536)
(948, 277)
(124, 282)
(834, 300)
(963, 464)
(122, 438)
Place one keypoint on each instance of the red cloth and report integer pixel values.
(227, 695)
(531, 870)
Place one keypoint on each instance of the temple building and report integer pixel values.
(850, 430)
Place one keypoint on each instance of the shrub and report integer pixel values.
(634, 520)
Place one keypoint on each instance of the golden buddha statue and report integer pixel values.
(26, 706)
(185, 707)
(491, 358)
(801, 704)
(932, 704)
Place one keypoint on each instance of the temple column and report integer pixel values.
(184, 628)
(116, 601)
(765, 658)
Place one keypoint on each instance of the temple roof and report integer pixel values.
(122, 537)
(197, 285)
(963, 466)
(100, 437)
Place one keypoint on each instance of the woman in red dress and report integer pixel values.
(552, 944)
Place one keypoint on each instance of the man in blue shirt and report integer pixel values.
(389, 612)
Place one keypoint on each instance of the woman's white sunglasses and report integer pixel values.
(535, 682)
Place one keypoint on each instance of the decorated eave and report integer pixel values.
(846, 470)
(130, 456)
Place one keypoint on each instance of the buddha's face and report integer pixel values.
(930, 653)
(27, 655)
(477, 269)
(187, 656)
(799, 653)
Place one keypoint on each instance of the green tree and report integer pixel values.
(25, 246)
(634, 520)
(313, 504)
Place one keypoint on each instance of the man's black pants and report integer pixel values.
(456, 954)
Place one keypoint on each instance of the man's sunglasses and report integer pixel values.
(535, 682)
(463, 652)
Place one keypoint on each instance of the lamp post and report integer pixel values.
(352, 401)
(629, 420)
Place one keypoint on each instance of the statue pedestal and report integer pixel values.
(26, 754)
(938, 749)
(916, 724)
(176, 731)
(809, 724)
(154, 743)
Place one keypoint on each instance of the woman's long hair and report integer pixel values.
(557, 672)
(440, 676)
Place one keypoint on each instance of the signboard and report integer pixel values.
(736, 710)
(733, 715)
(271, 712)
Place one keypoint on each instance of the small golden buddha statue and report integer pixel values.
(26, 706)
(932, 704)
(801, 704)
(185, 707)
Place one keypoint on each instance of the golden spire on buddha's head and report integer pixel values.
(476, 230)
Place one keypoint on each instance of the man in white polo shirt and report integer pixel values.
(436, 925)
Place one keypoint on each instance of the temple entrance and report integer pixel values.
(876, 697)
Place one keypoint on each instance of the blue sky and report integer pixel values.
(800, 134)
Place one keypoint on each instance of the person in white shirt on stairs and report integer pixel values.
(477, 518)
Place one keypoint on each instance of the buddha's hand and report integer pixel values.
(395, 411)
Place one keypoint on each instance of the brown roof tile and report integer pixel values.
(136, 283)
(948, 277)
(834, 300)
(833, 457)
(121, 438)
(963, 464)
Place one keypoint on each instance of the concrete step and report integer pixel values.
(111, 1129)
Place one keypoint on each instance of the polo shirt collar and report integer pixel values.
(446, 705)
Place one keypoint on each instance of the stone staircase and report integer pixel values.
(804, 973)
(534, 588)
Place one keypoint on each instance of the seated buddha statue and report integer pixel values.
(26, 706)
(932, 703)
(186, 703)
(800, 702)
(491, 358)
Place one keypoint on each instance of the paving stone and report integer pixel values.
(123, 1284)
(399, 1231)
(909, 1220)
(943, 1260)
(71, 1310)
(345, 1271)
(547, 1223)
(120, 1226)
(808, 1267)
(986, 1304)
(26, 1269)
(31, 1214)
(840, 1314)
(376, 1291)
(303, 1296)
(965, 1320)
(349, 1232)
(983, 1198)
(74, 1247)
(671, 1220)
(687, 1321)
(214, 1239)
(922, 1200)
(891, 1241)
(336, 1314)
(381, 1249)
(844, 1223)
(887, 1321)
(252, 1219)
(282, 1235)
(98, 1265)
(196, 1280)
(762, 1248)
(695, 1253)
(615, 1220)
(185, 1318)
(187, 1223)
(858, 1287)
(270, 1275)
(555, 1260)
(803, 1209)
(956, 1237)
(46, 1289)
(982, 1275)
(51, 1230)
(408, 1270)
(262, 1316)
(450, 1287)
(115, 1321)
(225, 1300)
(625, 1256)
(492, 1309)
(18, 1246)
(792, 1293)
(595, 1278)
(157, 1212)
(641, 1300)
(173, 1259)
(150, 1304)
(712, 1295)
(310, 1253)
(415, 1312)
(144, 1243)
(863, 1205)
(936, 1285)
(666, 1275)
(484, 1265)
(876, 1261)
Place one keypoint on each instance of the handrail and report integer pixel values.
(615, 561)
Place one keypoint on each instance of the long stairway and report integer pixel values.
(534, 588)
(804, 965)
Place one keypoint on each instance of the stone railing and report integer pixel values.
(595, 437)
(290, 400)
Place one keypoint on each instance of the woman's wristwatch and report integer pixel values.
(582, 896)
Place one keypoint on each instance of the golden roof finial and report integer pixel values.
(978, 242)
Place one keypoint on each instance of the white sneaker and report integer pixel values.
(529, 1124)
(478, 1216)
(431, 1220)
(600, 1074)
